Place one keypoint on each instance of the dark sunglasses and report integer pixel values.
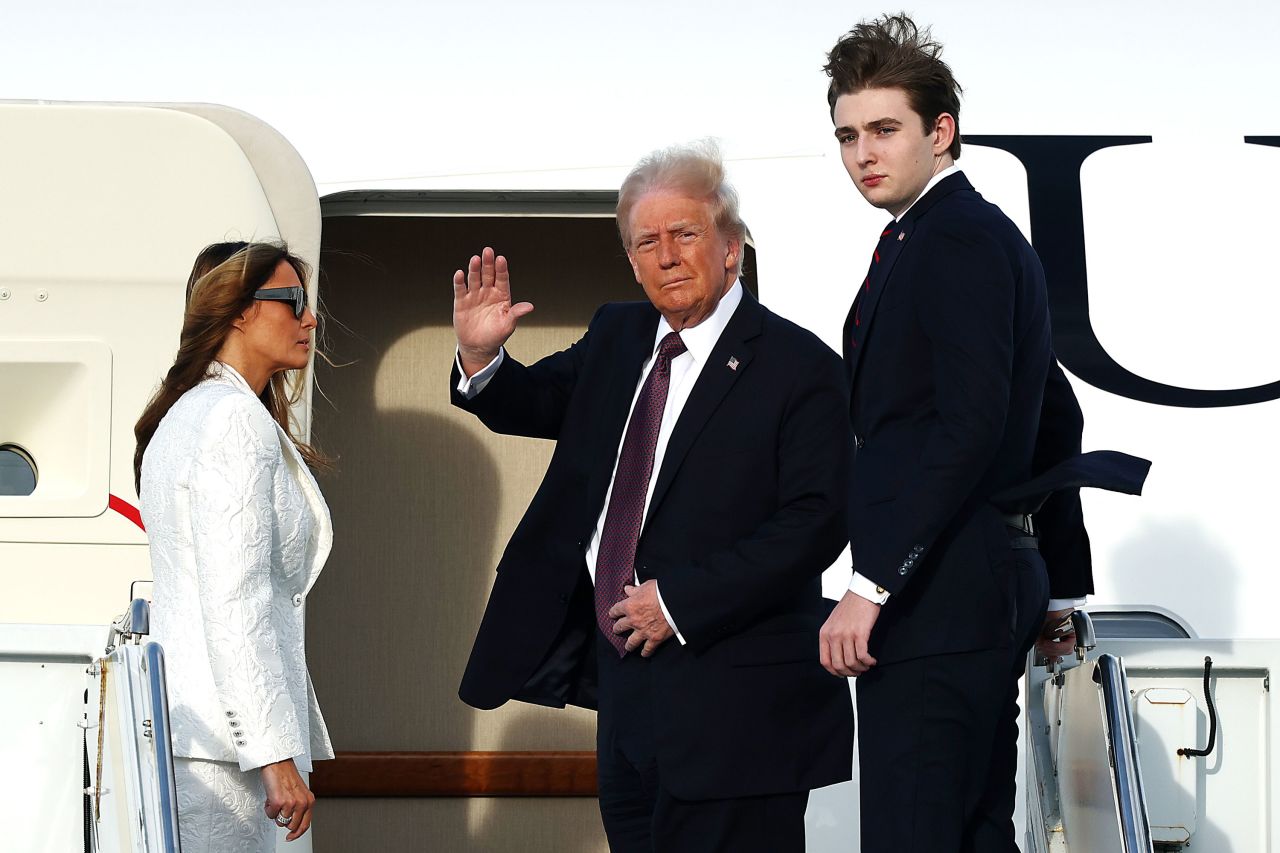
(296, 296)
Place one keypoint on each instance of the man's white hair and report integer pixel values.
(695, 169)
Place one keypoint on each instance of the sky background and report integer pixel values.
(1181, 234)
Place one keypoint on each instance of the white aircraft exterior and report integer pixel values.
(1171, 346)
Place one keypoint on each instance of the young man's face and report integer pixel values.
(885, 148)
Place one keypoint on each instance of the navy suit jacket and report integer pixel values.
(949, 380)
(747, 511)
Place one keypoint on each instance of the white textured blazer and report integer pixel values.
(238, 533)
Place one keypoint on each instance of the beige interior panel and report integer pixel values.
(527, 825)
(425, 498)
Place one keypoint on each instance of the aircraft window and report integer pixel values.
(17, 471)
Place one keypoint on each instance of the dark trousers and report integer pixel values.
(938, 739)
(639, 814)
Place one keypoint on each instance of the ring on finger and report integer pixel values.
(283, 820)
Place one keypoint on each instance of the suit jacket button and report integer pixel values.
(297, 599)
(858, 441)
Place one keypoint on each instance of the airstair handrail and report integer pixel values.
(1086, 639)
(1131, 801)
(162, 740)
(133, 624)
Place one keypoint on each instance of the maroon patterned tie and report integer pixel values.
(616, 559)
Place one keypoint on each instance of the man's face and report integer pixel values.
(679, 256)
(885, 148)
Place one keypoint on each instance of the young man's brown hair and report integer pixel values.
(891, 52)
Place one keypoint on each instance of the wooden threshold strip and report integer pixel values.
(456, 774)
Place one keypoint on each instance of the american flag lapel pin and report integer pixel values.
(733, 363)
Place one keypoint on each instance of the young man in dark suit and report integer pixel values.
(948, 354)
(697, 492)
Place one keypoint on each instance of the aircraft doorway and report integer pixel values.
(424, 499)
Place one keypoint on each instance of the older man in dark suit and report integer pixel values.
(668, 569)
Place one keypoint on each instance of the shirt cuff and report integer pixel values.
(867, 588)
(666, 614)
(469, 386)
(1066, 603)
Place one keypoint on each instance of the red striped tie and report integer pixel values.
(864, 291)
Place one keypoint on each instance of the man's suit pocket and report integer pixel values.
(734, 444)
(768, 649)
(729, 455)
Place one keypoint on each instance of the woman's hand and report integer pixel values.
(287, 797)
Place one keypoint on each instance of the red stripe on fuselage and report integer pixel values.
(126, 509)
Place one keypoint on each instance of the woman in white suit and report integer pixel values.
(238, 533)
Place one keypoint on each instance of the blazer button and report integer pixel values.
(858, 441)
(297, 599)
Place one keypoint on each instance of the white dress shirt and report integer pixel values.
(699, 340)
(862, 585)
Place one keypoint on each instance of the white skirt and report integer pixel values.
(220, 808)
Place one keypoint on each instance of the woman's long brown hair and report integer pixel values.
(219, 290)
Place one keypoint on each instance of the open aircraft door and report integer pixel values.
(102, 211)
(104, 208)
